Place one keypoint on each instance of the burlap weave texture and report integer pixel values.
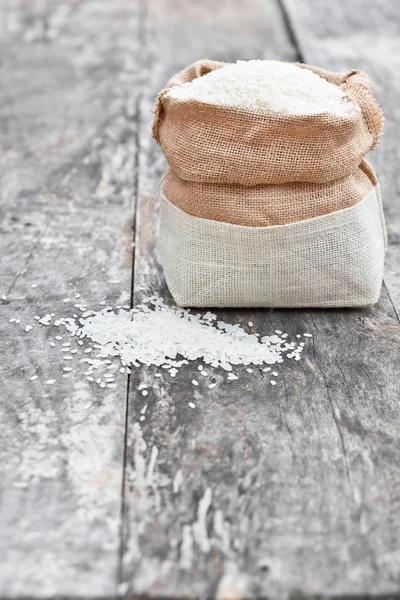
(263, 205)
(236, 145)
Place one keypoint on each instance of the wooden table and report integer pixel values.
(270, 492)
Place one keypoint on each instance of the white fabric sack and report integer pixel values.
(331, 260)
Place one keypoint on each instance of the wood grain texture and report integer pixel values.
(281, 492)
(344, 35)
(67, 118)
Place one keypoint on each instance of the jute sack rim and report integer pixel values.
(354, 92)
(266, 205)
(231, 226)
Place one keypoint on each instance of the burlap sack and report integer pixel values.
(263, 209)
(263, 205)
(230, 144)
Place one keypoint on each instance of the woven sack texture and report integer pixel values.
(330, 260)
(230, 144)
(263, 205)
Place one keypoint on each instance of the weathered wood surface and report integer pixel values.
(67, 118)
(259, 492)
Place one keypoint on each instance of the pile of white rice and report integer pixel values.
(113, 341)
(135, 336)
(267, 85)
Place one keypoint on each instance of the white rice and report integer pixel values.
(267, 85)
(134, 336)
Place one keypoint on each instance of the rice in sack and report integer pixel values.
(270, 202)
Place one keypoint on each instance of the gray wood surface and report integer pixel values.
(67, 98)
(260, 491)
(284, 492)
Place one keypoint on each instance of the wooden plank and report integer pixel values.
(342, 35)
(261, 491)
(67, 117)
